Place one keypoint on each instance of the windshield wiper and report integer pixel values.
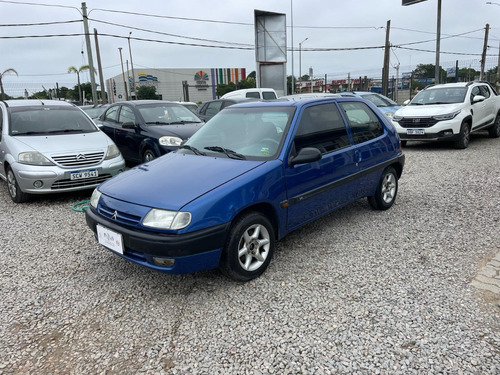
(229, 153)
(182, 122)
(193, 149)
(157, 123)
(66, 131)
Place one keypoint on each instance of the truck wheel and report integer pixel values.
(494, 131)
(464, 137)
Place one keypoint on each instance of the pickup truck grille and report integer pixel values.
(417, 122)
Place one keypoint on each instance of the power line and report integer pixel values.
(39, 24)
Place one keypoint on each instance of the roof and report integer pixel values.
(36, 102)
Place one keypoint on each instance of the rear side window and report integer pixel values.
(213, 108)
(322, 127)
(252, 95)
(268, 95)
(364, 124)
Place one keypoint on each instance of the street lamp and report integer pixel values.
(132, 89)
(300, 64)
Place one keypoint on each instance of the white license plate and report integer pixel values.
(80, 175)
(110, 239)
(415, 131)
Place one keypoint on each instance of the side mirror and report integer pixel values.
(306, 155)
(478, 98)
(406, 102)
(128, 125)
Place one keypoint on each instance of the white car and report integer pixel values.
(450, 112)
(50, 146)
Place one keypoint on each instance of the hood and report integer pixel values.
(183, 131)
(428, 110)
(174, 180)
(65, 143)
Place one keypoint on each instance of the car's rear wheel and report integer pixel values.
(494, 131)
(464, 137)
(15, 192)
(386, 192)
(148, 155)
(249, 247)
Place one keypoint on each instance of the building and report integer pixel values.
(194, 85)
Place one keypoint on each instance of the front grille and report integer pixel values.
(79, 160)
(66, 184)
(417, 122)
(119, 216)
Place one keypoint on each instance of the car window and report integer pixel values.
(364, 124)
(484, 91)
(268, 95)
(443, 95)
(213, 108)
(322, 127)
(112, 114)
(164, 113)
(49, 120)
(379, 100)
(253, 95)
(126, 115)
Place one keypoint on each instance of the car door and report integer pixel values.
(109, 121)
(489, 104)
(128, 134)
(370, 145)
(318, 187)
(480, 109)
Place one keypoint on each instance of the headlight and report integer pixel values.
(164, 219)
(170, 141)
(389, 114)
(94, 199)
(397, 118)
(33, 158)
(112, 153)
(447, 116)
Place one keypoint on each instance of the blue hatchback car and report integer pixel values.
(251, 175)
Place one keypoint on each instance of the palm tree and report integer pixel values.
(73, 69)
(10, 70)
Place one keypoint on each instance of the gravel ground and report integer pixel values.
(357, 292)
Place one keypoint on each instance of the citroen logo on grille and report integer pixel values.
(114, 215)
(81, 157)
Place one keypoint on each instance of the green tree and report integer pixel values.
(146, 92)
(6, 71)
(83, 68)
(224, 89)
(467, 74)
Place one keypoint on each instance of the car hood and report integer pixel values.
(183, 131)
(428, 110)
(63, 143)
(174, 180)
(389, 109)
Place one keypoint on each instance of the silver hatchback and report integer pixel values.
(50, 146)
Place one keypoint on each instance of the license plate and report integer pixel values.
(110, 239)
(415, 131)
(80, 175)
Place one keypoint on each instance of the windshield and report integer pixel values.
(242, 133)
(379, 100)
(49, 120)
(167, 114)
(444, 95)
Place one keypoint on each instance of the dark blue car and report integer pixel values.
(252, 174)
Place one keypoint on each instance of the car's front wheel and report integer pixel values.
(386, 192)
(249, 247)
(494, 131)
(15, 192)
(148, 155)
(463, 137)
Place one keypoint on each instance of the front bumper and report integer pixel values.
(447, 131)
(190, 252)
(55, 179)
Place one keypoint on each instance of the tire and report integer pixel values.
(148, 155)
(386, 192)
(249, 247)
(494, 131)
(15, 192)
(464, 137)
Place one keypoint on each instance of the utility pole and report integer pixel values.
(123, 74)
(438, 44)
(483, 56)
(385, 69)
(99, 68)
(89, 52)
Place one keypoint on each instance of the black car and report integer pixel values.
(209, 109)
(146, 129)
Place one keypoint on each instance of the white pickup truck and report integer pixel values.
(450, 112)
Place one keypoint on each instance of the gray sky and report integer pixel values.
(176, 41)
